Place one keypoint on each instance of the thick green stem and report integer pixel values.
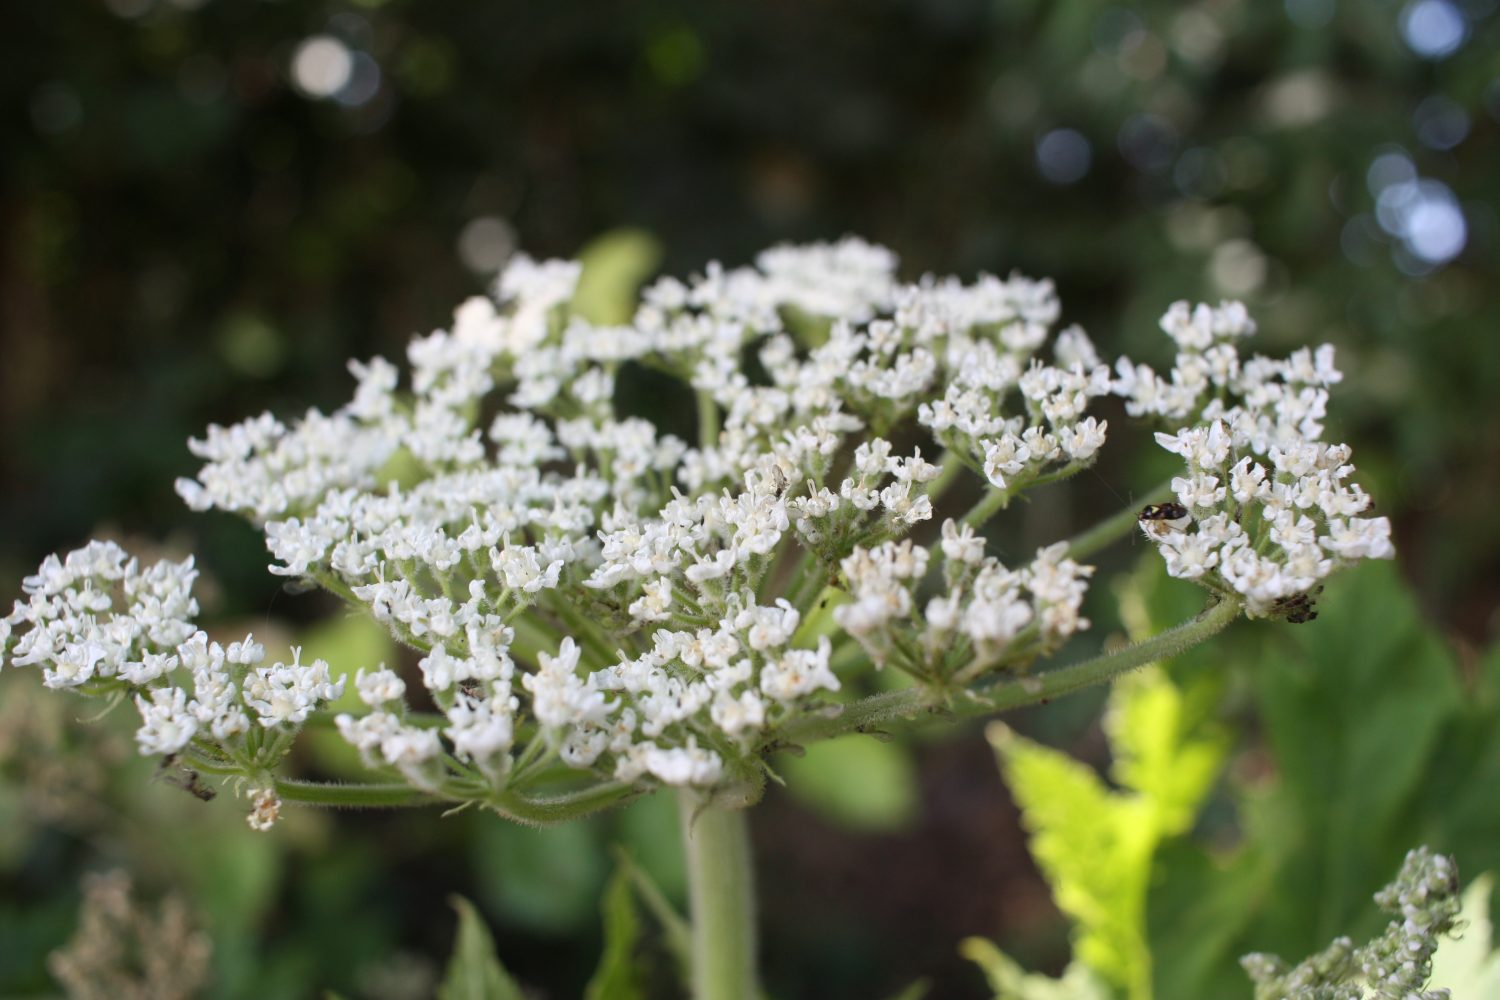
(882, 709)
(716, 843)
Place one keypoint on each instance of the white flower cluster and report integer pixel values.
(647, 561)
(582, 586)
(985, 611)
(97, 617)
(1268, 509)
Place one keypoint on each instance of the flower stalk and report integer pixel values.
(880, 710)
(716, 844)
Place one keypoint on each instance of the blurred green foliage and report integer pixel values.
(192, 235)
(474, 973)
(1377, 742)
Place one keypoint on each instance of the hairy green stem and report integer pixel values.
(1012, 692)
(716, 844)
(540, 811)
(352, 796)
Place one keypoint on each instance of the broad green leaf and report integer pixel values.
(545, 880)
(1464, 963)
(1011, 982)
(1354, 705)
(649, 829)
(857, 781)
(618, 976)
(614, 267)
(1197, 909)
(1458, 810)
(474, 973)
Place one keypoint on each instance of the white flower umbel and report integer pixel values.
(597, 606)
(1268, 507)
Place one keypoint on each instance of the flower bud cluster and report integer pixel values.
(1271, 507)
(1397, 964)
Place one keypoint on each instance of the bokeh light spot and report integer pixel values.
(1390, 168)
(1063, 156)
(1433, 29)
(322, 66)
(363, 83)
(1148, 141)
(1237, 267)
(486, 243)
(1435, 229)
(1440, 123)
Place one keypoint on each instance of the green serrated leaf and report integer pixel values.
(856, 781)
(1093, 847)
(1009, 981)
(1376, 745)
(1160, 750)
(618, 976)
(1457, 808)
(474, 972)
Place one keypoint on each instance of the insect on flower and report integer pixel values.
(1170, 515)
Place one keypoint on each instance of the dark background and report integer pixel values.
(191, 232)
